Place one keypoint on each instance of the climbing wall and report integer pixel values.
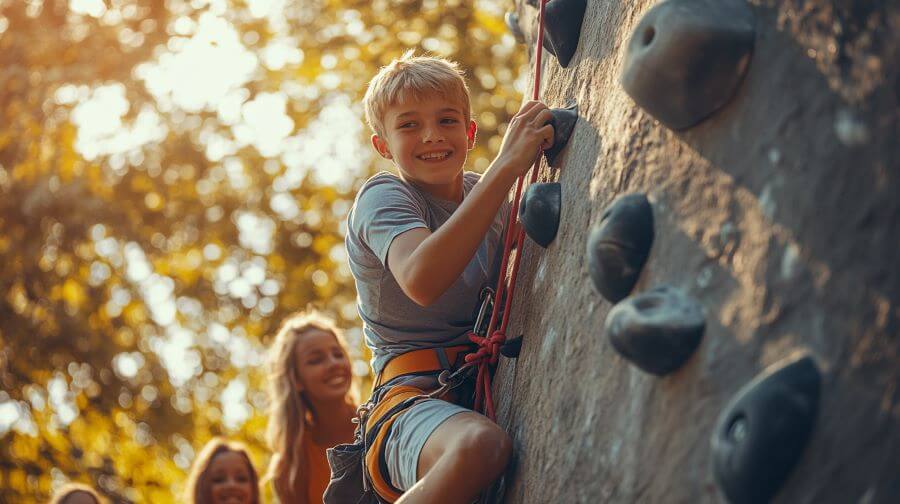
(764, 136)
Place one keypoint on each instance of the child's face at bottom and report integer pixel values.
(230, 481)
(79, 497)
(428, 140)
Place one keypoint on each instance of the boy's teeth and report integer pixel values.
(435, 155)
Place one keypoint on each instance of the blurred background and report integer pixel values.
(174, 180)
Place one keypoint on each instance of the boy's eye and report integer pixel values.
(407, 125)
(449, 120)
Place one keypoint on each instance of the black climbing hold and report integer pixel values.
(563, 122)
(619, 245)
(761, 434)
(562, 28)
(656, 330)
(512, 23)
(512, 347)
(539, 211)
(686, 58)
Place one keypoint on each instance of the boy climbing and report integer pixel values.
(422, 245)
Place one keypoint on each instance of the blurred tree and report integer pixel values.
(174, 178)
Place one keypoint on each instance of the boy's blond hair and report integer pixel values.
(414, 77)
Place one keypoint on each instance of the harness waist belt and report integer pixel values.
(421, 361)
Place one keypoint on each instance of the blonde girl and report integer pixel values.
(312, 402)
(222, 473)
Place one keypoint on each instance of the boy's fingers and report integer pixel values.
(529, 105)
(546, 134)
(543, 118)
(534, 108)
(525, 108)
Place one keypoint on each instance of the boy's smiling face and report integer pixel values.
(428, 140)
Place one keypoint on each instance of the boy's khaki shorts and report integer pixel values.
(393, 458)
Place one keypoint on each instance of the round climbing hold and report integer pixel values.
(562, 28)
(512, 23)
(687, 58)
(512, 347)
(761, 434)
(539, 211)
(657, 330)
(563, 122)
(619, 245)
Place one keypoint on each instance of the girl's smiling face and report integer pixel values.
(323, 368)
(230, 481)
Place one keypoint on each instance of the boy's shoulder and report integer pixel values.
(385, 179)
(381, 178)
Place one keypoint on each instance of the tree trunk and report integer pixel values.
(780, 214)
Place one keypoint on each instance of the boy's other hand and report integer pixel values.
(529, 132)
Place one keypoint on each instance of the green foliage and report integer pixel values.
(118, 260)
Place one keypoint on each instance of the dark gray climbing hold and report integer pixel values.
(563, 122)
(761, 434)
(619, 245)
(539, 211)
(656, 330)
(512, 347)
(562, 28)
(686, 58)
(512, 23)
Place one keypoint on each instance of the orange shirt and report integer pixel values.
(319, 471)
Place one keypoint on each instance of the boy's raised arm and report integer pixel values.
(426, 264)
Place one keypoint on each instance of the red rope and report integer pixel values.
(489, 346)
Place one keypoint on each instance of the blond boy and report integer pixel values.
(422, 244)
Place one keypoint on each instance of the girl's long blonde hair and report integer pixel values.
(289, 411)
(197, 488)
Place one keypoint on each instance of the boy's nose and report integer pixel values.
(431, 135)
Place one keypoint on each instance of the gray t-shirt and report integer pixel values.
(393, 324)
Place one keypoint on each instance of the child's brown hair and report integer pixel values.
(197, 489)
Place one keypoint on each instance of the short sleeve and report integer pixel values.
(385, 209)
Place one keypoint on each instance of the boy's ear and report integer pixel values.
(473, 129)
(381, 146)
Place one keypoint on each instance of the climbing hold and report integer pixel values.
(512, 347)
(761, 434)
(686, 58)
(539, 211)
(563, 122)
(562, 28)
(657, 330)
(512, 23)
(619, 246)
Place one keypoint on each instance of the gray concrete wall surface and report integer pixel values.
(780, 214)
